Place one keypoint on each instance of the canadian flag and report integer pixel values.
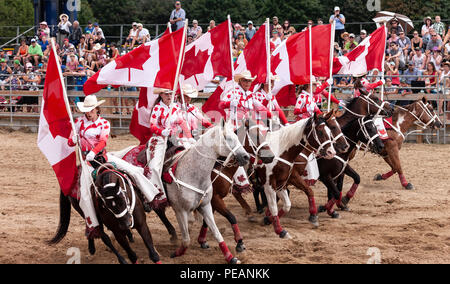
(153, 64)
(140, 121)
(55, 128)
(208, 57)
(368, 55)
(291, 60)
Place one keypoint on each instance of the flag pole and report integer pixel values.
(169, 26)
(384, 58)
(269, 67)
(310, 60)
(333, 28)
(232, 66)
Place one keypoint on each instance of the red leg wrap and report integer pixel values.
(281, 213)
(226, 252)
(180, 251)
(352, 191)
(403, 180)
(339, 202)
(277, 225)
(330, 205)
(268, 214)
(312, 206)
(202, 236)
(387, 175)
(237, 233)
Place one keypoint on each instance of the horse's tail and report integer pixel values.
(65, 208)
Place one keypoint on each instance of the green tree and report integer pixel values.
(15, 13)
(86, 14)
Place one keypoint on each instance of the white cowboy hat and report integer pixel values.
(90, 103)
(244, 75)
(63, 15)
(98, 46)
(161, 91)
(190, 91)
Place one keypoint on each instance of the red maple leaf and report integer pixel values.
(275, 61)
(241, 178)
(355, 53)
(135, 59)
(194, 64)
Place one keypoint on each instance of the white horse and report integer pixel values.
(192, 187)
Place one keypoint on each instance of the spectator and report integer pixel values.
(291, 31)
(143, 35)
(389, 88)
(345, 38)
(447, 36)
(131, 39)
(89, 29)
(444, 77)
(275, 38)
(241, 38)
(71, 66)
(64, 50)
(250, 31)
(395, 26)
(416, 41)
(43, 42)
(426, 37)
(22, 53)
(430, 79)
(439, 26)
(98, 30)
(280, 32)
(190, 39)
(99, 39)
(195, 31)
(89, 47)
(351, 43)
(393, 37)
(212, 25)
(63, 28)
(82, 46)
(362, 36)
(15, 82)
(236, 30)
(339, 20)
(3, 55)
(43, 30)
(396, 56)
(435, 42)
(76, 34)
(100, 55)
(274, 24)
(5, 71)
(34, 52)
(319, 21)
(286, 26)
(392, 73)
(114, 52)
(177, 17)
(436, 58)
(411, 74)
(404, 43)
(418, 58)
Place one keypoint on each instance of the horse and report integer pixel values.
(119, 195)
(332, 172)
(192, 186)
(420, 112)
(354, 108)
(250, 135)
(287, 143)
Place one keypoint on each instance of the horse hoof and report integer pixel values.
(409, 186)
(174, 239)
(234, 260)
(240, 247)
(335, 215)
(378, 177)
(285, 235)
(91, 247)
(321, 209)
(267, 221)
(252, 219)
(204, 245)
(314, 220)
(344, 207)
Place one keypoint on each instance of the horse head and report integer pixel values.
(368, 134)
(319, 137)
(370, 105)
(425, 114)
(112, 190)
(232, 144)
(253, 137)
(340, 143)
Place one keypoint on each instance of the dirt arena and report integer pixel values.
(406, 226)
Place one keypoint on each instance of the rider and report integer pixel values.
(269, 100)
(92, 132)
(361, 83)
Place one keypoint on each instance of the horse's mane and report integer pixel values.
(286, 137)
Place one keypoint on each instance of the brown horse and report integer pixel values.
(420, 112)
(250, 135)
(118, 207)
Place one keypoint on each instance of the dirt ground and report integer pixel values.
(405, 226)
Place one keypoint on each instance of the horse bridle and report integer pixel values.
(130, 204)
(369, 102)
(313, 131)
(253, 145)
(365, 132)
(419, 122)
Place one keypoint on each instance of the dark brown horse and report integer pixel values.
(420, 112)
(118, 207)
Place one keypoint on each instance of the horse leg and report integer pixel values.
(387, 175)
(130, 236)
(339, 186)
(122, 240)
(107, 241)
(356, 181)
(208, 216)
(395, 158)
(162, 216)
(333, 197)
(297, 181)
(182, 217)
(219, 205)
(273, 210)
(146, 236)
(245, 206)
(202, 236)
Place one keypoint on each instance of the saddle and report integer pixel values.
(171, 162)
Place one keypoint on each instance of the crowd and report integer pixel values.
(83, 52)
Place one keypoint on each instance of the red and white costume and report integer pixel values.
(93, 136)
(270, 102)
(306, 106)
(247, 105)
(195, 117)
(368, 86)
(322, 93)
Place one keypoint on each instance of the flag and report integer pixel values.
(367, 56)
(207, 57)
(254, 57)
(55, 128)
(140, 121)
(153, 64)
(291, 60)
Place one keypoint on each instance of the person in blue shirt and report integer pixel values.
(89, 29)
(177, 17)
(339, 20)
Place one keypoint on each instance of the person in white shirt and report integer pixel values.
(63, 28)
(132, 36)
(276, 40)
(143, 35)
